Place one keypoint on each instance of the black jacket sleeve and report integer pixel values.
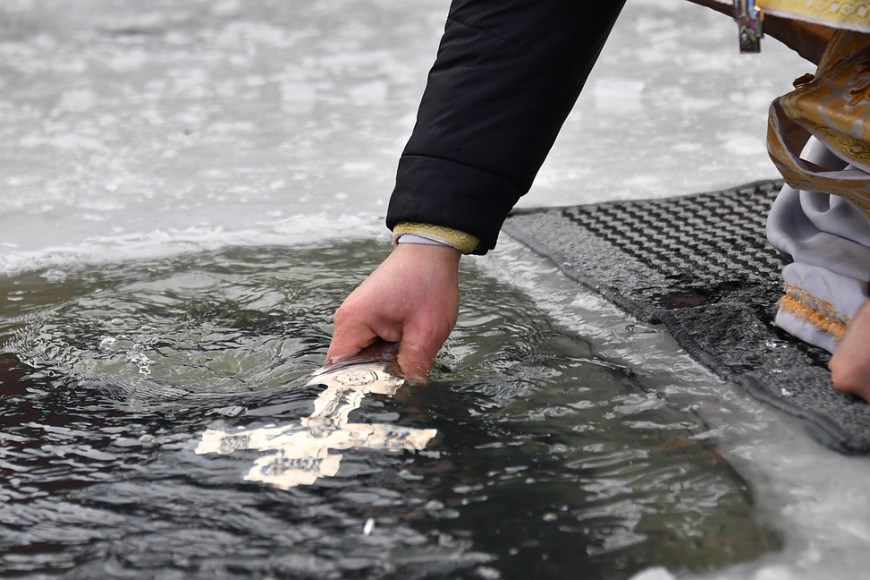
(505, 78)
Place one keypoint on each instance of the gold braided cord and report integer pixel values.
(465, 243)
(820, 313)
(849, 14)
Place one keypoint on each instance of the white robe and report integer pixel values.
(829, 240)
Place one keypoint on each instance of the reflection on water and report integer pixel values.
(548, 462)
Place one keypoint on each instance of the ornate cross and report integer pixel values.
(302, 451)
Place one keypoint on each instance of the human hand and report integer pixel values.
(850, 365)
(412, 298)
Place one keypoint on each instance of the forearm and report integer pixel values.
(505, 79)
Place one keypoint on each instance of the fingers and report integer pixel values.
(419, 336)
(850, 365)
(416, 358)
(424, 335)
(357, 327)
(348, 341)
(417, 349)
(414, 362)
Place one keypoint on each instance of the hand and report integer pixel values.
(850, 365)
(412, 298)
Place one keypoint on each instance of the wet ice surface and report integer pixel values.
(545, 458)
(194, 124)
(191, 121)
(815, 497)
(131, 132)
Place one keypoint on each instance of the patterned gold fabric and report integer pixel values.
(834, 106)
(846, 14)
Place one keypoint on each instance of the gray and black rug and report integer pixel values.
(701, 265)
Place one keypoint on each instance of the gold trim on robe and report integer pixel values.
(844, 14)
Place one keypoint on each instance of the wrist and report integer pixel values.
(433, 255)
(430, 234)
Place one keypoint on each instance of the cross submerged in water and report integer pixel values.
(303, 450)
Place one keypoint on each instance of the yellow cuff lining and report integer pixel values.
(820, 313)
(465, 243)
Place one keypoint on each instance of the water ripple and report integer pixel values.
(547, 460)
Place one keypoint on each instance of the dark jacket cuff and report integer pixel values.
(442, 192)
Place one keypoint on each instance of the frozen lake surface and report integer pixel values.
(131, 134)
(157, 407)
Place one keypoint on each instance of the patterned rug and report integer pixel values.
(701, 265)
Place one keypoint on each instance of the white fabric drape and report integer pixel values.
(829, 240)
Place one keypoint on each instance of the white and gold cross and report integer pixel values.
(303, 450)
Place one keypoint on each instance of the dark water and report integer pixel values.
(549, 462)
